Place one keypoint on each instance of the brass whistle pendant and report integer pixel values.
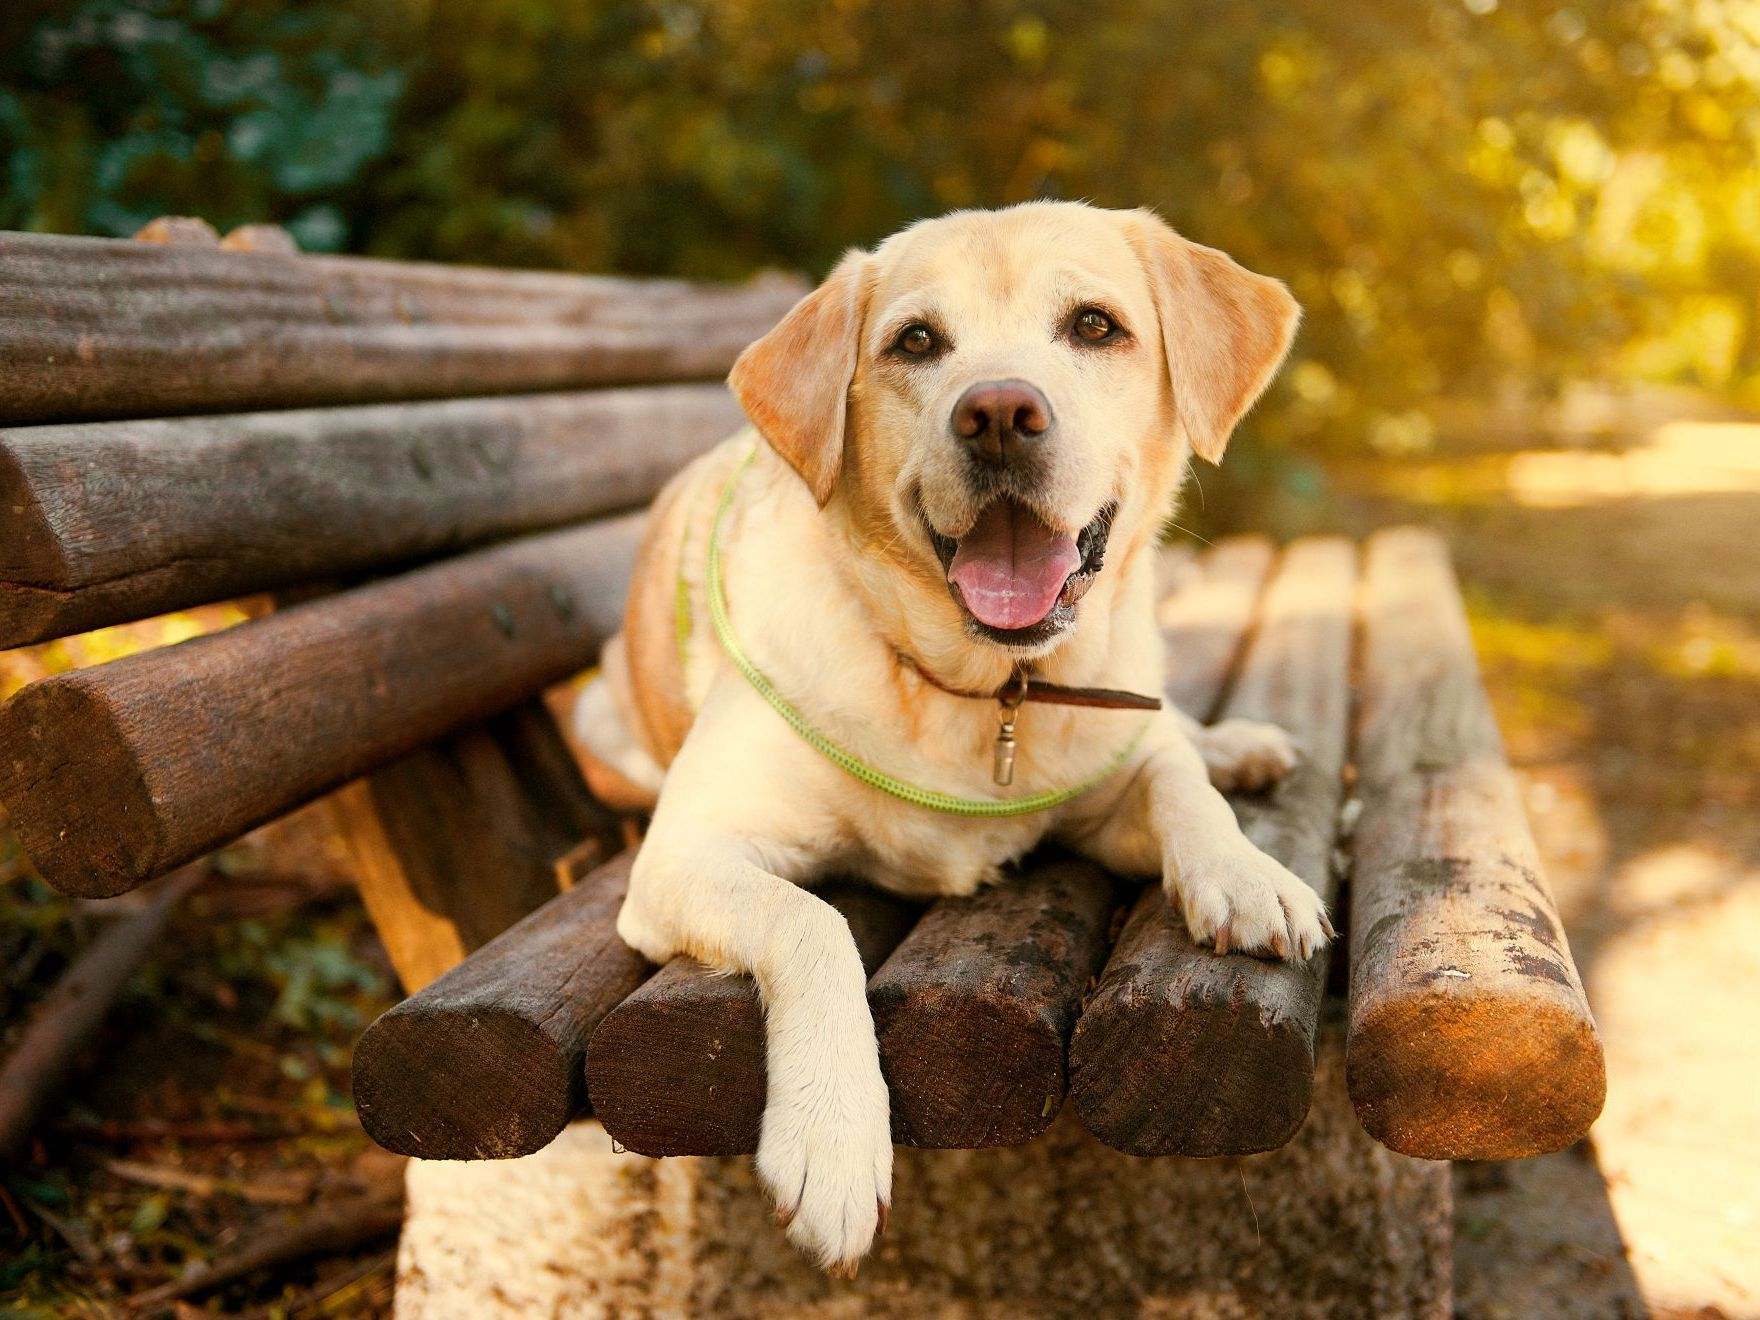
(1003, 762)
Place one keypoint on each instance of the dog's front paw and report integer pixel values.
(825, 1156)
(1245, 755)
(1239, 899)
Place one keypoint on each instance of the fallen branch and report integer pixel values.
(202, 1184)
(70, 1014)
(330, 1231)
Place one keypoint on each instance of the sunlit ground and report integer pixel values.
(1615, 594)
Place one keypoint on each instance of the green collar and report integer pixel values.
(922, 797)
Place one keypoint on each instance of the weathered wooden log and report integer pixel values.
(118, 773)
(485, 1063)
(110, 521)
(974, 1009)
(678, 1067)
(1469, 1034)
(459, 840)
(1180, 1051)
(61, 1025)
(1207, 619)
(99, 328)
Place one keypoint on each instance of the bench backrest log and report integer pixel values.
(444, 468)
(453, 456)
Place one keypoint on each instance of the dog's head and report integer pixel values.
(992, 398)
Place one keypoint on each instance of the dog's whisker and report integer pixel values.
(1181, 527)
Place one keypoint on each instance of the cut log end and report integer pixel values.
(974, 1010)
(1242, 1083)
(678, 1067)
(929, 1037)
(1451, 1076)
(509, 1092)
(75, 793)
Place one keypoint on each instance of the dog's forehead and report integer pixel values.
(1009, 261)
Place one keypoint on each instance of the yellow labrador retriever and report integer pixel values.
(854, 645)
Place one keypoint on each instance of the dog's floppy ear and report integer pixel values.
(794, 382)
(1225, 331)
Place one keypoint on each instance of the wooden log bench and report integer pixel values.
(438, 473)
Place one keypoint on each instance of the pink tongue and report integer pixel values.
(1010, 567)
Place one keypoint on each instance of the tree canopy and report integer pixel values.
(1458, 191)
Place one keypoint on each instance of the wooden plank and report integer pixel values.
(678, 1067)
(459, 840)
(110, 521)
(1180, 1051)
(485, 1062)
(115, 774)
(99, 328)
(1469, 1034)
(1207, 619)
(974, 1009)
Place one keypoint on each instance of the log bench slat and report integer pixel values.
(678, 1068)
(485, 1063)
(116, 774)
(100, 328)
(1207, 620)
(1469, 1034)
(112, 521)
(1182, 1052)
(974, 1010)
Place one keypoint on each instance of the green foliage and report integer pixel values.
(1461, 192)
(112, 113)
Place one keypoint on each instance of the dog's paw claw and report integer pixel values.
(1243, 901)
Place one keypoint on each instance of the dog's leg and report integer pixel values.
(1173, 821)
(1242, 755)
(701, 886)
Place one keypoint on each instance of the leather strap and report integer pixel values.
(1023, 687)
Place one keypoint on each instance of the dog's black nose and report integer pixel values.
(999, 419)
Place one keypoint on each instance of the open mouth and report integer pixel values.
(1018, 579)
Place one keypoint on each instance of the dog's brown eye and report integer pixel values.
(1094, 325)
(918, 340)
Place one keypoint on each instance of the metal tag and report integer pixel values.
(1003, 765)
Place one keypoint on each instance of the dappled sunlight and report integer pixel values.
(29, 663)
(1678, 458)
